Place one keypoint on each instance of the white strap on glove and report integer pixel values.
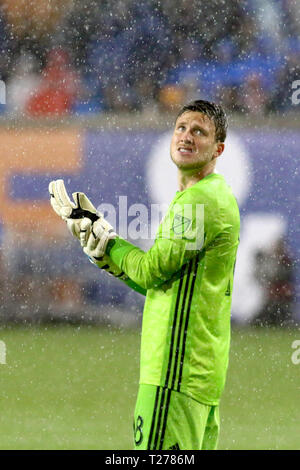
(109, 266)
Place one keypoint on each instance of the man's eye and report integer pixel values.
(198, 131)
(180, 128)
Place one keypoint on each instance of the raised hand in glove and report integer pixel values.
(85, 223)
(73, 213)
(96, 237)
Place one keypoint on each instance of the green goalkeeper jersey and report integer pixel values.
(188, 277)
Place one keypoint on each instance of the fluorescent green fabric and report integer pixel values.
(165, 419)
(188, 274)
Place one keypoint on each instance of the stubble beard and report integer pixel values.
(189, 166)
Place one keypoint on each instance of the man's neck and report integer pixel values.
(186, 179)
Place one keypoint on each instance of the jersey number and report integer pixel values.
(138, 433)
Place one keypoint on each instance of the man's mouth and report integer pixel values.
(185, 150)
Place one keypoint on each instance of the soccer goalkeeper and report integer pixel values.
(187, 277)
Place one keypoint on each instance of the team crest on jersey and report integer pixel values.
(174, 447)
(181, 224)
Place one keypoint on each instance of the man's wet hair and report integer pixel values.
(213, 111)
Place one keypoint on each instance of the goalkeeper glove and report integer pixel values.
(73, 213)
(97, 237)
(90, 227)
(84, 220)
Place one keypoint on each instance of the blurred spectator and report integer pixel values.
(275, 271)
(23, 83)
(290, 14)
(58, 87)
(267, 14)
(5, 46)
(231, 98)
(171, 97)
(253, 98)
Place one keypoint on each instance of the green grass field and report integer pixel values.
(70, 387)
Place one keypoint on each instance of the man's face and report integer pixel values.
(193, 143)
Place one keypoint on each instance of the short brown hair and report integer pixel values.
(213, 111)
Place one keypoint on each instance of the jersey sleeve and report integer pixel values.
(181, 235)
(111, 269)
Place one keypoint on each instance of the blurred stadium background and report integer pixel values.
(92, 89)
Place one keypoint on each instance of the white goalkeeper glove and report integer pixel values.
(73, 213)
(97, 237)
(90, 227)
(83, 220)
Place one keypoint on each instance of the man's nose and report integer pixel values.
(187, 137)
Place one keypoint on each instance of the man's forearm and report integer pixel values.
(152, 268)
(134, 286)
(107, 265)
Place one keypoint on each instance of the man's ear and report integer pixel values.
(219, 149)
